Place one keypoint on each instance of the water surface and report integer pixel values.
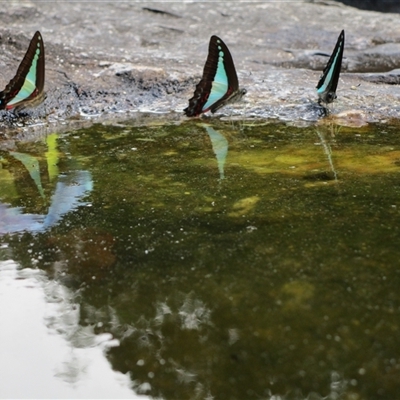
(215, 260)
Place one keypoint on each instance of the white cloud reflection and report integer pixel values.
(44, 352)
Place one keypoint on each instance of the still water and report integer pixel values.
(201, 261)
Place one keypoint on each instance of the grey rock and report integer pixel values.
(390, 77)
(106, 59)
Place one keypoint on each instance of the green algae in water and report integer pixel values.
(232, 263)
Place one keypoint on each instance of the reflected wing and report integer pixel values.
(219, 80)
(326, 87)
(28, 83)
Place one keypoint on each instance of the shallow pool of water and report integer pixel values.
(204, 260)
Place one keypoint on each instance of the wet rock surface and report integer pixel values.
(109, 60)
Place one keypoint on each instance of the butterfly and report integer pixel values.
(328, 82)
(27, 85)
(219, 84)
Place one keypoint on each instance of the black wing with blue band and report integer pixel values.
(219, 84)
(28, 84)
(327, 85)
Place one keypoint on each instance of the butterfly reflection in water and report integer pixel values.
(219, 84)
(26, 88)
(326, 87)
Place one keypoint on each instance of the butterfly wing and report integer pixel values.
(28, 84)
(218, 83)
(327, 85)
